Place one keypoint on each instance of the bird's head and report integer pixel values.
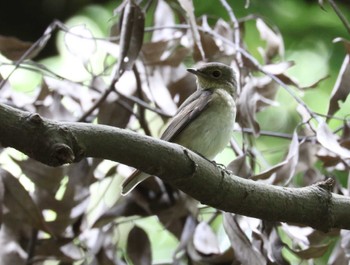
(215, 75)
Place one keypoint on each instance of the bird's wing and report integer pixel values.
(187, 112)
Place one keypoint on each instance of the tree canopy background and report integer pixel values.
(123, 65)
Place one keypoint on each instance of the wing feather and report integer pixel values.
(187, 112)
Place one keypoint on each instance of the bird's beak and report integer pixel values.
(195, 72)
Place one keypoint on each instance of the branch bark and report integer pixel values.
(57, 143)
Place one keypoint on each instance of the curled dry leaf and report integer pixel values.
(278, 68)
(185, 234)
(247, 107)
(187, 5)
(116, 113)
(225, 30)
(240, 167)
(256, 94)
(311, 252)
(330, 141)
(169, 53)
(205, 240)
(131, 36)
(13, 48)
(20, 204)
(44, 177)
(139, 247)
(244, 251)
(2, 196)
(345, 138)
(163, 17)
(209, 46)
(341, 87)
(284, 170)
(274, 41)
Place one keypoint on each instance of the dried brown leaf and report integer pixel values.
(103, 258)
(345, 241)
(244, 251)
(285, 169)
(164, 17)
(341, 87)
(240, 167)
(209, 46)
(330, 141)
(182, 87)
(153, 51)
(278, 68)
(328, 158)
(275, 246)
(161, 53)
(225, 30)
(13, 48)
(311, 252)
(256, 94)
(44, 177)
(11, 251)
(247, 107)
(186, 234)
(187, 5)
(274, 41)
(139, 247)
(205, 240)
(20, 204)
(52, 248)
(338, 256)
(131, 36)
(286, 173)
(159, 89)
(116, 113)
(2, 196)
(345, 138)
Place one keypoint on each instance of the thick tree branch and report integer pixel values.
(56, 143)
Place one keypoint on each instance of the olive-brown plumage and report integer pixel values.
(204, 122)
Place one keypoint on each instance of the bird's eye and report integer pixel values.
(216, 73)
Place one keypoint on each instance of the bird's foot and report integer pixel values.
(222, 167)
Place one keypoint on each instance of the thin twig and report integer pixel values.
(340, 15)
(237, 32)
(144, 104)
(237, 39)
(280, 82)
(252, 60)
(32, 48)
(31, 245)
(99, 101)
(141, 109)
(279, 135)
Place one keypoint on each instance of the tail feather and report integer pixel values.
(133, 180)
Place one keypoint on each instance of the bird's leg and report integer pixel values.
(222, 167)
(218, 165)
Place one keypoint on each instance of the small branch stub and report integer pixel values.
(62, 153)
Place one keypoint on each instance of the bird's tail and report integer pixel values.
(133, 180)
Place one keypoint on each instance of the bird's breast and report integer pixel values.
(210, 132)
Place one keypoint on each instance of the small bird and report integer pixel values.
(204, 122)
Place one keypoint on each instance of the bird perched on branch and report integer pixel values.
(204, 122)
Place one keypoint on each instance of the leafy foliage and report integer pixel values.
(136, 79)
